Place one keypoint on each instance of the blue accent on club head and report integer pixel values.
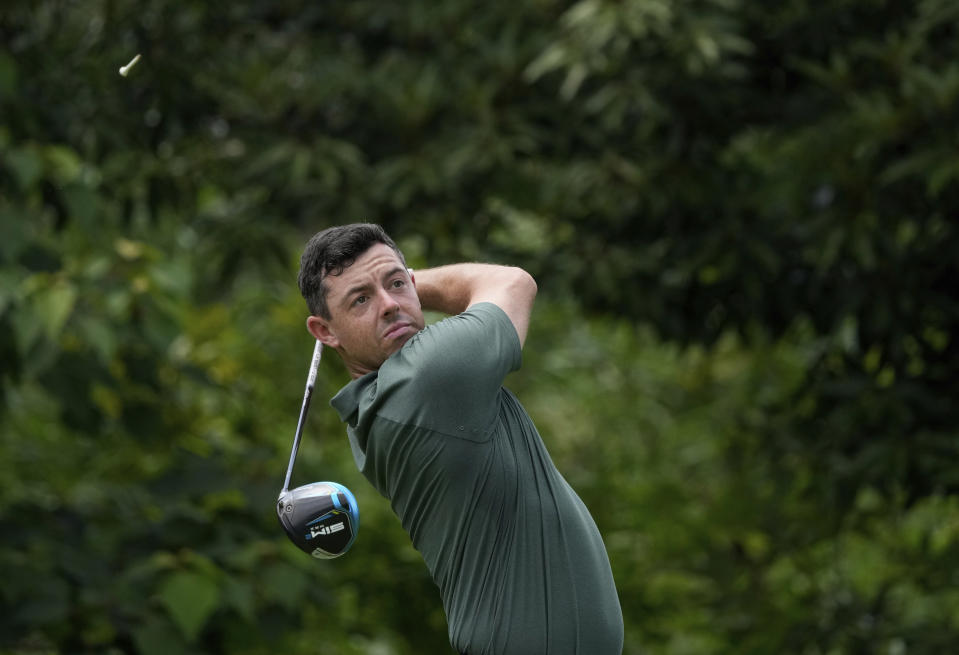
(354, 508)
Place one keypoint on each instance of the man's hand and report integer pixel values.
(454, 288)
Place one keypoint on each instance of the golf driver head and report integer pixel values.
(322, 518)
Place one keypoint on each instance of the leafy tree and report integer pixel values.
(744, 353)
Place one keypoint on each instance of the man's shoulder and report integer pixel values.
(447, 377)
(479, 324)
(478, 339)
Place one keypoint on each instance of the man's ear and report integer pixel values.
(321, 331)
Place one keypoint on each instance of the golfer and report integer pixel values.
(519, 562)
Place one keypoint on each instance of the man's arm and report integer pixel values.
(454, 288)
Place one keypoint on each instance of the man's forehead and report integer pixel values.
(378, 260)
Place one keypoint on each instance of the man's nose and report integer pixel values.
(388, 303)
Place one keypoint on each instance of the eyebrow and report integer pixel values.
(352, 291)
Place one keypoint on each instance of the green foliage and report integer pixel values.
(744, 356)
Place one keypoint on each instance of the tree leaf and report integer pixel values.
(190, 599)
(54, 305)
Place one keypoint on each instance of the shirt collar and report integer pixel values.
(347, 400)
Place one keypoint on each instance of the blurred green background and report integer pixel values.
(744, 355)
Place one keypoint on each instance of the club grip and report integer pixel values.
(314, 364)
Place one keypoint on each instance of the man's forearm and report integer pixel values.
(452, 289)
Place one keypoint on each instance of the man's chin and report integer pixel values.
(399, 341)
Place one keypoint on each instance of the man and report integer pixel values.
(518, 560)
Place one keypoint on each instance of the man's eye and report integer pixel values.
(360, 300)
(398, 283)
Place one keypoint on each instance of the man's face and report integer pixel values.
(374, 310)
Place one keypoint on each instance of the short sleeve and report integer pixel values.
(449, 376)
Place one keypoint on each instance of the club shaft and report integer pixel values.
(304, 409)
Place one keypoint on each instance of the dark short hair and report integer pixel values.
(330, 252)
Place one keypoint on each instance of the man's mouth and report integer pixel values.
(395, 329)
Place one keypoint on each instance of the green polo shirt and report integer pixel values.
(518, 560)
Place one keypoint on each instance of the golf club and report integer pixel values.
(321, 518)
